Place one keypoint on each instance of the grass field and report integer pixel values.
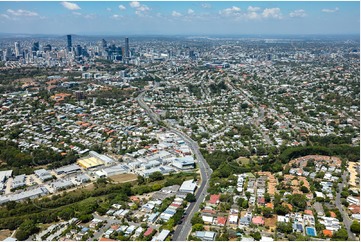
(121, 178)
(243, 160)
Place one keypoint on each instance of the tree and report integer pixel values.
(197, 219)
(257, 236)
(341, 234)
(305, 189)
(197, 227)
(27, 228)
(281, 210)
(299, 201)
(285, 227)
(267, 212)
(156, 176)
(66, 213)
(355, 227)
(140, 180)
(267, 197)
(190, 198)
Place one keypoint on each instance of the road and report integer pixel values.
(182, 231)
(346, 219)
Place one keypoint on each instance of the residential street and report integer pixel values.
(346, 219)
(182, 231)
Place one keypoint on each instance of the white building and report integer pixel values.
(188, 186)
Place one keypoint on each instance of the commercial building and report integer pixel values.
(115, 170)
(95, 159)
(162, 235)
(68, 169)
(69, 42)
(19, 181)
(34, 193)
(188, 186)
(184, 163)
(5, 174)
(206, 235)
(61, 185)
(43, 174)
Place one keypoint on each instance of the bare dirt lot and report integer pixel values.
(271, 222)
(353, 173)
(4, 233)
(121, 178)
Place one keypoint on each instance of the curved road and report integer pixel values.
(346, 219)
(182, 231)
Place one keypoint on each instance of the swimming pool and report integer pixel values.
(311, 231)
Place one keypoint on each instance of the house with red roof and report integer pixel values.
(269, 205)
(214, 199)
(221, 221)
(148, 232)
(327, 233)
(261, 201)
(106, 239)
(134, 199)
(309, 212)
(258, 220)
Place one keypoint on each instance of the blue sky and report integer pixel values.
(176, 17)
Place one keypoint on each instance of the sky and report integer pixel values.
(180, 17)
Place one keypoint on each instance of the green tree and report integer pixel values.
(285, 227)
(197, 219)
(341, 234)
(27, 228)
(140, 180)
(355, 227)
(304, 189)
(190, 197)
(197, 227)
(267, 212)
(257, 236)
(156, 176)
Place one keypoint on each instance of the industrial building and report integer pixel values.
(43, 174)
(184, 163)
(188, 186)
(95, 159)
(68, 169)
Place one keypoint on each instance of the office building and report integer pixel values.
(127, 51)
(104, 43)
(17, 49)
(36, 47)
(69, 46)
(47, 48)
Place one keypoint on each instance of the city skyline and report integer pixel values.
(169, 18)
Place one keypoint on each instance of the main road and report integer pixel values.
(182, 231)
(346, 219)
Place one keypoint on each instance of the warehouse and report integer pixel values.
(188, 187)
(68, 169)
(115, 170)
(89, 162)
(43, 174)
(184, 163)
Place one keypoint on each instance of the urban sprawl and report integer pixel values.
(179, 138)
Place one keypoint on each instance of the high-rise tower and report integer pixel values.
(17, 49)
(69, 42)
(127, 52)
